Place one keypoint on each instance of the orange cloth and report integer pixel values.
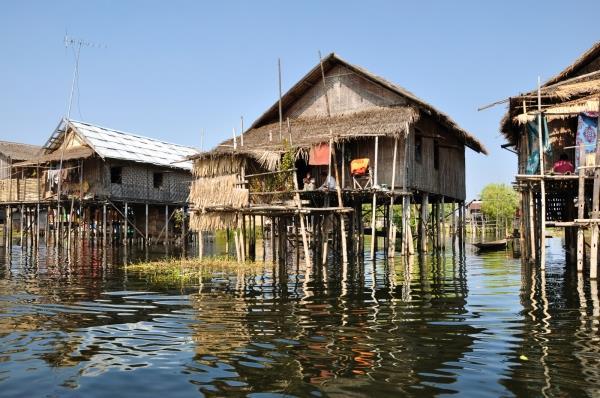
(319, 155)
(359, 167)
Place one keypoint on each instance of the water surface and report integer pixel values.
(478, 325)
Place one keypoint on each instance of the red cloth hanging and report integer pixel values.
(319, 155)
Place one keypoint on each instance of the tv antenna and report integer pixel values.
(76, 44)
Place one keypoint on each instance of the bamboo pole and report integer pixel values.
(374, 207)
(532, 246)
(166, 224)
(146, 224)
(443, 216)
(391, 240)
(200, 245)
(542, 220)
(580, 209)
(302, 221)
(424, 221)
(595, 211)
(126, 224)
(70, 216)
(280, 105)
(453, 234)
(337, 176)
(104, 224)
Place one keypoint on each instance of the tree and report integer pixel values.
(499, 203)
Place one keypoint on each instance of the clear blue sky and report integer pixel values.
(172, 69)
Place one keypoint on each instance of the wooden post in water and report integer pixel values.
(166, 224)
(453, 233)
(391, 226)
(580, 208)
(376, 186)
(146, 224)
(443, 216)
(21, 223)
(595, 211)
(542, 220)
(126, 224)
(423, 222)
(200, 245)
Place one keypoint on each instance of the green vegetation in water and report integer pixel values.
(183, 270)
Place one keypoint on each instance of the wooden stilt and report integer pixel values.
(595, 214)
(373, 225)
(443, 223)
(542, 220)
(453, 227)
(126, 224)
(302, 221)
(21, 221)
(166, 224)
(580, 208)
(200, 245)
(532, 229)
(424, 222)
(272, 237)
(104, 226)
(146, 224)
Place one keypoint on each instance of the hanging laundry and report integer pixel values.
(319, 155)
(587, 134)
(533, 161)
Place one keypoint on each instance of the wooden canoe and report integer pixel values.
(491, 245)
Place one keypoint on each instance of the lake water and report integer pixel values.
(481, 325)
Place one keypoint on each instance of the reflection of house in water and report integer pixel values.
(345, 344)
(103, 182)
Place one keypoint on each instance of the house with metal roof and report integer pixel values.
(98, 178)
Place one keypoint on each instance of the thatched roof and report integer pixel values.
(79, 152)
(17, 151)
(308, 131)
(571, 91)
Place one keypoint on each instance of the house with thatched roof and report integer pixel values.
(85, 170)
(553, 131)
(336, 114)
(15, 152)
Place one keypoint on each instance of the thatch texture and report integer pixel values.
(80, 152)
(17, 151)
(306, 132)
(217, 192)
(563, 96)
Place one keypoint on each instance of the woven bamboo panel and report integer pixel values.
(18, 189)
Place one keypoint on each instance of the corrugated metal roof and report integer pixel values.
(115, 144)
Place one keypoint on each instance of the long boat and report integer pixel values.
(491, 245)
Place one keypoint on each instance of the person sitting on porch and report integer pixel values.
(309, 182)
(564, 165)
(329, 183)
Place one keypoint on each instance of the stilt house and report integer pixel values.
(90, 177)
(376, 139)
(553, 131)
(13, 152)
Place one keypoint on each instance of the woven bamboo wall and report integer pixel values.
(137, 183)
(14, 190)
